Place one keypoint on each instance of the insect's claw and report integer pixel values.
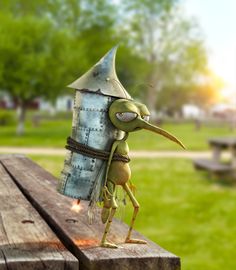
(108, 245)
(135, 241)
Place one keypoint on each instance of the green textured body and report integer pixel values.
(119, 172)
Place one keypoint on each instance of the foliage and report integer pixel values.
(36, 60)
(182, 210)
(172, 45)
(6, 118)
(45, 45)
(31, 56)
(40, 49)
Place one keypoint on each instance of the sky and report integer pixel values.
(217, 19)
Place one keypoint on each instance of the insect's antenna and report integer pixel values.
(145, 84)
(122, 87)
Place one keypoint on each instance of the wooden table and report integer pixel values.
(38, 230)
(216, 166)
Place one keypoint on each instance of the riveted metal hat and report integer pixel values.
(102, 78)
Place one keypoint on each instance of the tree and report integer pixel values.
(46, 45)
(161, 61)
(35, 60)
(173, 47)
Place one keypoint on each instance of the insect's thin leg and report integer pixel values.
(108, 193)
(136, 208)
(104, 243)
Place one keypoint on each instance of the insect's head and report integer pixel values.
(128, 115)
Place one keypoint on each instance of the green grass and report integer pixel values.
(53, 133)
(192, 139)
(181, 210)
(48, 134)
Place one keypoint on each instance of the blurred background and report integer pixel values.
(179, 58)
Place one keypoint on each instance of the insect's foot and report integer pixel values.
(108, 245)
(135, 241)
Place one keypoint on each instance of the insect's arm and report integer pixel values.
(113, 149)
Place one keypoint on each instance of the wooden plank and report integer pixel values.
(223, 142)
(26, 241)
(211, 165)
(73, 229)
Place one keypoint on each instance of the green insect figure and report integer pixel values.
(128, 116)
(97, 161)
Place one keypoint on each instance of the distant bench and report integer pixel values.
(216, 166)
(38, 230)
(211, 165)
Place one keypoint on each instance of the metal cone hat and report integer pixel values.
(102, 78)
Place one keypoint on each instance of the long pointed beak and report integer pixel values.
(148, 126)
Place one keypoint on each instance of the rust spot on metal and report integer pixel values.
(95, 73)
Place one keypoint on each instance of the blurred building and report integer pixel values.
(5, 101)
(190, 111)
(62, 103)
(223, 110)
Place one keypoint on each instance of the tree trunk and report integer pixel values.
(151, 98)
(152, 95)
(21, 110)
(152, 81)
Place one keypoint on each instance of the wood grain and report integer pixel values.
(26, 241)
(73, 229)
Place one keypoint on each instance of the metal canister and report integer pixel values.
(82, 176)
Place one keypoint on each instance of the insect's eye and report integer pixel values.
(126, 116)
(146, 118)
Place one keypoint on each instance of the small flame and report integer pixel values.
(76, 207)
(86, 242)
